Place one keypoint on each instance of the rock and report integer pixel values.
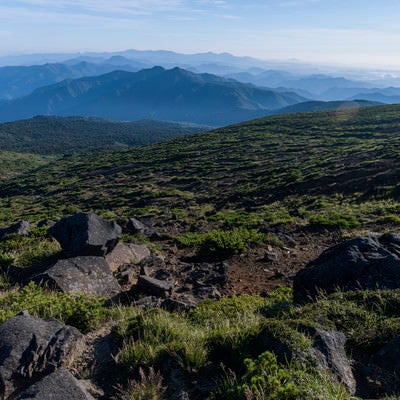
(31, 348)
(270, 256)
(89, 275)
(360, 263)
(388, 357)
(21, 228)
(59, 385)
(151, 264)
(205, 274)
(206, 292)
(173, 305)
(155, 287)
(127, 275)
(136, 226)
(86, 235)
(328, 350)
(46, 222)
(124, 254)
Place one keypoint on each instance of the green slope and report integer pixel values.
(330, 167)
(63, 135)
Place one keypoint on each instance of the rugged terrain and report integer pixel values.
(222, 287)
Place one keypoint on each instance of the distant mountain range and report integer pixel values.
(156, 93)
(65, 135)
(17, 81)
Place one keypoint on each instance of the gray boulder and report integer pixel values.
(328, 350)
(89, 275)
(136, 226)
(359, 263)
(20, 228)
(60, 385)
(31, 348)
(154, 287)
(86, 235)
(124, 254)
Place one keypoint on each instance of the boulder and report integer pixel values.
(136, 226)
(359, 263)
(20, 228)
(86, 235)
(124, 254)
(328, 350)
(31, 348)
(88, 275)
(155, 287)
(59, 385)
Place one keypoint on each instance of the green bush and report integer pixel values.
(335, 220)
(223, 243)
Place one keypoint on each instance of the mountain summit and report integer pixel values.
(157, 93)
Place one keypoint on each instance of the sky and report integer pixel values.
(339, 32)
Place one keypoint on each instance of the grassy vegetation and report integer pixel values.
(231, 332)
(334, 168)
(12, 163)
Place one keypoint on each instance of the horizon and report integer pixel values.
(355, 34)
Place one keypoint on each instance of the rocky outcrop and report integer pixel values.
(360, 263)
(86, 235)
(124, 254)
(20, 228)
(135, 225)
(31, 348)
(59, 385)
(89, 275)
(328, 350)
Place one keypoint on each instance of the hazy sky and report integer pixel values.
(352, 32)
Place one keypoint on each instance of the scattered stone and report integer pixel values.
(86, 235)
(20, 228)
(124, 254)
(207, 292)
(136, 226)
(173, 305)
(59, 385)
(328, 350)
(32, 347)
(89, 275)
(357, 264)
(127, 275)
(155, 287)
(270, 256)
(148, 302)
(151, 264)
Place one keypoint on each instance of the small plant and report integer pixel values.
(147, 387)
(222, 243)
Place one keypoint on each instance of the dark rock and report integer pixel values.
(123, 254)
(89, 275)
(328, 350)
(147, 302)
(154, 286)
(31, 348)
(173, 305)
(59, 385)
(86, 235)
(206, 292)
(388, 357)
(360, 263)
(136, 226)
(21, 228)
(205, 274)
(127, 275)
(151, 264)
(270, 256)
(162, 275)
